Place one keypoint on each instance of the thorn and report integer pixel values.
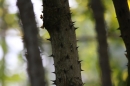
(61, 45)
(54, 82)
(42, 27)
(49, 39)
(55, 65)
(71, 47)
(54, 72)
(57, 29)
(69, 14)
(67, 57)
(51, 55)
(75, 28)
(71, 67)
(26, 54)
(65, 71)
(77, 47)
(126, 55)
(118, 28)
(59, 79)
(81, 70)
(127, 65)
(80, 61)
(58, 9)
(41, 16)
(23, 39)
(73, 22)
(120, 36)
(71, 25)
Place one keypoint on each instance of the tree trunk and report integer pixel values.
(123, 17)
(98, 12)
(57, 20)
(30, 31)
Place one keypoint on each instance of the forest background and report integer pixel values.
(12, 60)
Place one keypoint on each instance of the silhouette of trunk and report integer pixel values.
(98, 12)
(123, 17)
(30, 31)
(57, 21)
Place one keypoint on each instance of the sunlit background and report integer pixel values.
(12, 60)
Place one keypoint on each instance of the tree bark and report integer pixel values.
(123, 17)
(98, 12)
(30, 31)
(57, 21)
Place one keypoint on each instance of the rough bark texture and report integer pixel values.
(123, 17)
(98, 12)
(57, 20)
(30, 31)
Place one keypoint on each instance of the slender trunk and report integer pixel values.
(98, 12)
(30, 31)
(123, 17)
(57, 20)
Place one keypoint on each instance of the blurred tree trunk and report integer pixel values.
(123, 17)
(57, 21)
(98, 12)
(30, 31)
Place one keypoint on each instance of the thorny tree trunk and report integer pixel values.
(57, 20)
(123, 16)
(98, 12)
(30, 31)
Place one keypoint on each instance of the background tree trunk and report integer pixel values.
(57, 20)
(30, 31)
(123, 17)
(98, 12)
